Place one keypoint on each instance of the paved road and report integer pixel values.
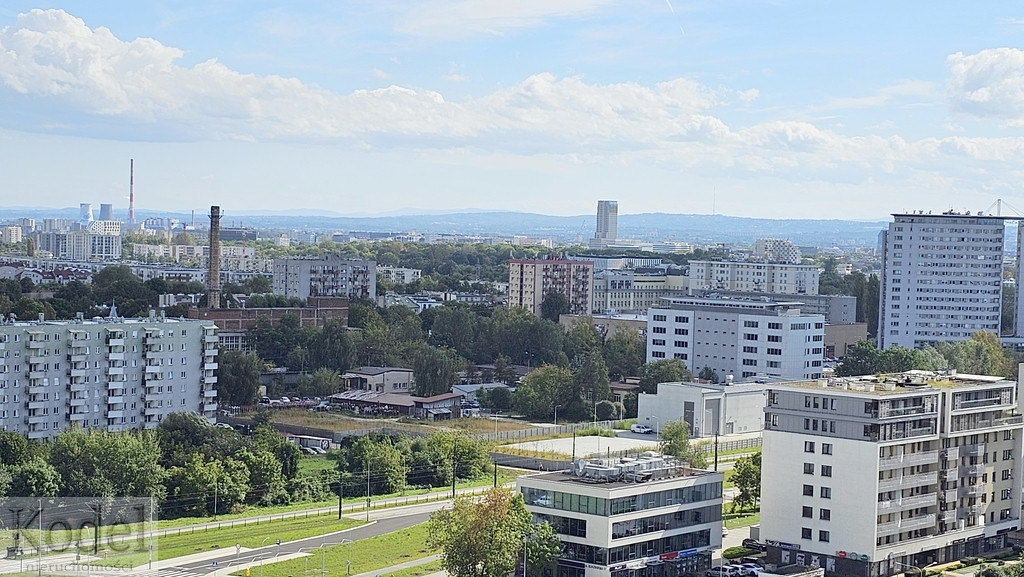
(384, 521)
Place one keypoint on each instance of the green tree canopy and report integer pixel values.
(662, 371)
(675, 441)
(480, 537)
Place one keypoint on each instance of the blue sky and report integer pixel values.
(771, 109)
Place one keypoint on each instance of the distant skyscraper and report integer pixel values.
(942, 278)
(607, 223)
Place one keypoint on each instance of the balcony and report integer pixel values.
(116, 386)
(115, 342)
(209, 393)
(947, 516)
(35, 344)
(38, 434)
(209, 380)
(902, 525)
(951, 454)
(78, 372)
(77, 358)
(35, 405)
(973, 470)
(903, 503)
(36, 374)
(972, 490)
(209, 407)
(211, 352)
(973, 450)
(115, 400)
(153, 370)
(77, 402)
(974, 425)
(950, 474)
(117, 414)
(210, 366)
(153, 410)
(115, 370)
(116, 357)
(908, 459)
(210, 339)
(949, 495)
(907, 481)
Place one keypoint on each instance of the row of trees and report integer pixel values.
(196, 469)
(983, 354)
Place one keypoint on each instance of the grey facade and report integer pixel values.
(105, 374)
(326, 276)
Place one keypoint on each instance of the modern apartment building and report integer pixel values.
(743, 338)
(647, 517)
(399, 275)
(326, 276)
(81, 245)
(529, 281)
(107, 373)
(629, 291)
(762, 277)
(776, 250)
(942, 278)
(873, 476)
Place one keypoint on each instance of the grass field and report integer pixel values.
(365, 555)
(419, 570)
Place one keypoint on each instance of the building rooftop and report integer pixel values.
(898, 383)
(650, 468)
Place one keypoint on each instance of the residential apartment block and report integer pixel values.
(762, 277)
(326, 276)
(743, 338)
(776, 250)
(648, 517)
(106, 374)
(398, 275)
(629, 291)
(873, 476)
(531, 280)
(942, 278)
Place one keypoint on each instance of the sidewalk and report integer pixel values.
(400, 566)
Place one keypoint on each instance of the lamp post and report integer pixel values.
(556, 414)
(262, 543)
(348, 560)
(657, 428)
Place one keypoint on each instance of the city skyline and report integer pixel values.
(365, 108)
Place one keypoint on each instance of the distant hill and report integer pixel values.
(696, 228)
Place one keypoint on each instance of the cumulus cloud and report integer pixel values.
(989, 84)
(100, 80)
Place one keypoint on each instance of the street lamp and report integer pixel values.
(262, 543)
(657, 428)
(556, 414)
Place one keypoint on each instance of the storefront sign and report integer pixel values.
(781, 545)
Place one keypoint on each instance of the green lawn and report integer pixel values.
(365, 555)
(417, 571)
(249, 536)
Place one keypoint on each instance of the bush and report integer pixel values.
(737, 552)
(595, 432)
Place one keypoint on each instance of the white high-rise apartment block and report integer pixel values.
(777, 250)
(873, 476)
(741, 338)
(942, 277)
(764, 277)
(106, 374)
(326, 276)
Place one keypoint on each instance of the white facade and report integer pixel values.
(763, 277)
(941, 278)
(10, 234)
(399, 275)
(106, 374)
(650, 517)
(627, 291)
(777, 250)
(709, 409)
(327, 276)
(866, 477)
(743, 338)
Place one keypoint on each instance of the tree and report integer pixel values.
(708, 374)
(554, 305)
(675, 441)
(266, 481)
(498, 398)
(100, 463)
(537, 396)
(591, 378)
(34, 478)
(322, 383)
(662, 371)
(480, 538)
(624, 354)
(258, 284)
(542, 548)
(860, 359)
(747, 477)
(238, 378)
(436, 370)
(605, 410)
(13, 448)
(503, 371)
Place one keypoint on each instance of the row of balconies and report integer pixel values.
(902, 525)
(908, 460)
(903, 503)
(907, 481)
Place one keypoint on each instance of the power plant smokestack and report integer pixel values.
(106, 212)
(131, 193)
(84, 214)
(213, 276)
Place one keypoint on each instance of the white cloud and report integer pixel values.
(381, 74)
(54, 60)
(904, 90)
(989, 84)
(450, 19)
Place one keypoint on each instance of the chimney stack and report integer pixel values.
(213, 276)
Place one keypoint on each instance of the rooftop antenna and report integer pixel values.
(131, 193)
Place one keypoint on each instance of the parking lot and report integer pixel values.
(592, 446)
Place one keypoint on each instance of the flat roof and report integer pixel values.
(908, 382)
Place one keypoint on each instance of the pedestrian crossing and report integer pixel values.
(165, 572)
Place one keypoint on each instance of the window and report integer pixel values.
(658, 354)
(823, 536)
(775, 352)
(682, 344)
(808, 490)
(825, 514)
(658, 330)
(809, 447)
(805, 533)
(826, 448)
(826, 470)
(808, 468)
(682, 331)
(1007, 474)
(750, 350)
(826, 492)
(750, 324)
(682, 319)
(660, 318)
(1006, 494)
(749, 336)
(750, 362)
(807, 512)
(658, 342)
(1008, 454)
(774, 339)
(775, 326)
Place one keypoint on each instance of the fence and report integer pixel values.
(532, 463)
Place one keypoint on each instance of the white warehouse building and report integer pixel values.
(107, 374)
(709, 409)
(742, 338)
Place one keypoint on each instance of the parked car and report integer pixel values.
(723, 571)
(223, 426)
(309, 451)
(754, 544)
(643, 429)
(750, 569)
